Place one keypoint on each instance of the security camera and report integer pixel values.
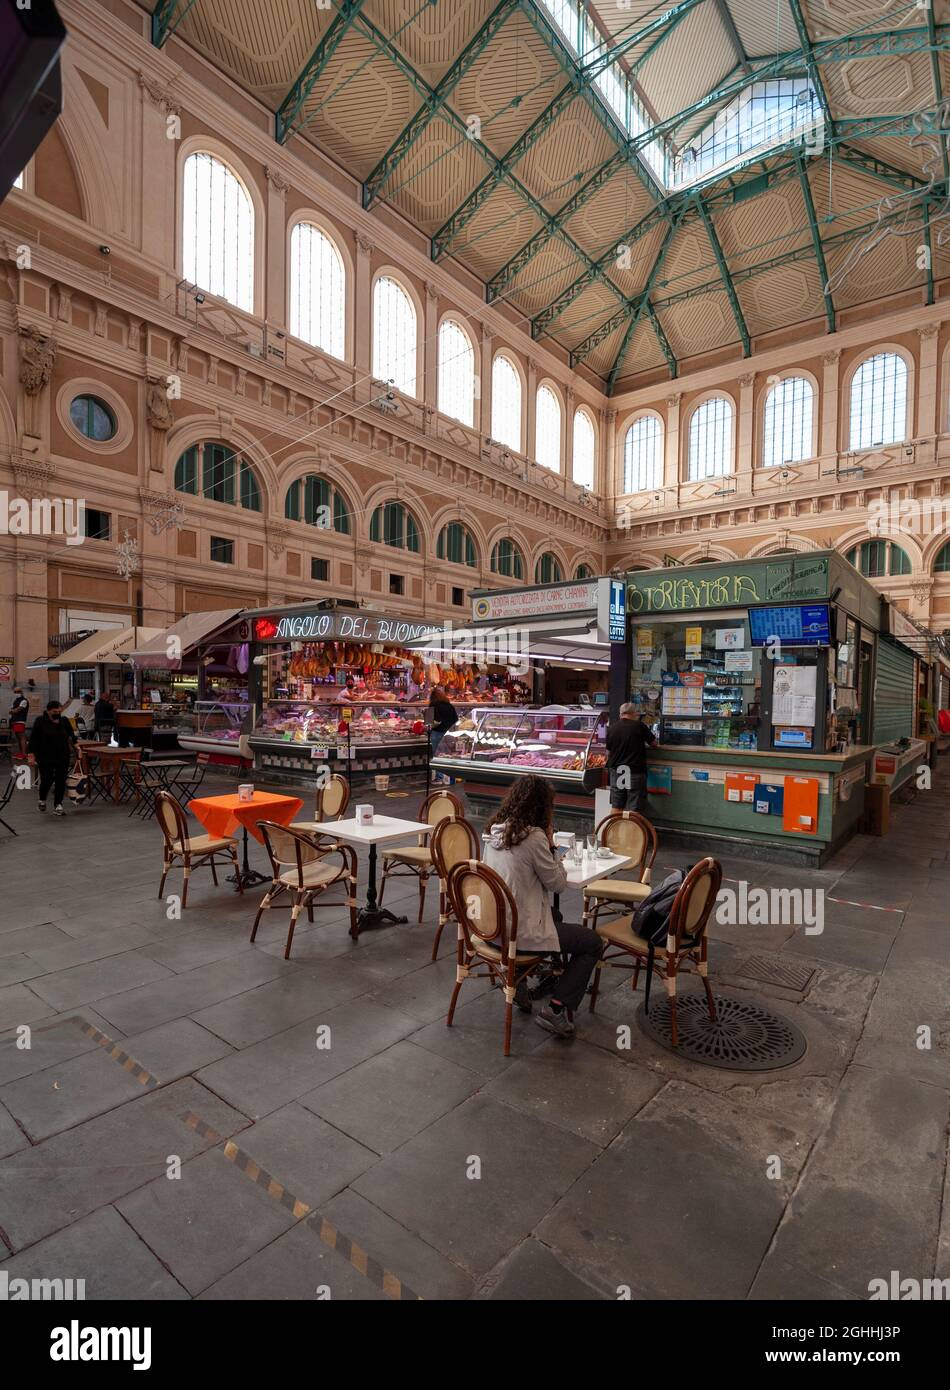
(105, 250)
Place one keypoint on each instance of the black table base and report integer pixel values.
(246, 877)
(371, 916)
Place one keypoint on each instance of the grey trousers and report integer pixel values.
(633, 797)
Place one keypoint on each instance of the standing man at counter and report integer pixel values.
(627, 742)
(443, 717)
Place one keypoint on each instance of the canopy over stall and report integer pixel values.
(106, 647)
(169, 649)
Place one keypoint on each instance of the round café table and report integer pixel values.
(221, 815)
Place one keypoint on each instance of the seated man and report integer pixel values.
(521, 851)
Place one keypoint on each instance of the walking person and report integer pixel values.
(627, 742)
(444, 716)
(19, 711)
(521, 850)
(52, 745)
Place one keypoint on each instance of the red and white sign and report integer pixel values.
(534, 603)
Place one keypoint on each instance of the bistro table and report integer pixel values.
(382, 830)
(110, 763)
(221, 815)
(590, 867)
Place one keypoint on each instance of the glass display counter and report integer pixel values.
(215, 727)
(295, 735)
(496, 745)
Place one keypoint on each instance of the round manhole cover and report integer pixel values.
(743, 1037)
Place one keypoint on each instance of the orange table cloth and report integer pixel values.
(221, 815)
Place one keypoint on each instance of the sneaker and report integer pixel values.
(41, 806)
(523, 998)
(558, 1024)
(58, 811)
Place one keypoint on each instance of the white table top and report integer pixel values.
(382, 830)
(592, 868)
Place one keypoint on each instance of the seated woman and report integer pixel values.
(521, 850)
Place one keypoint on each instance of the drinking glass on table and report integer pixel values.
(592, 843)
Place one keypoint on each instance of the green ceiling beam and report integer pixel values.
(938, 87)
(164, 19)
(579, 81)
(384, 170)
(383, 45)
(878, 168)
(632, 309)
(804, 38)
(663, 341)
(296, 99)
(728, 286)
(816, 242)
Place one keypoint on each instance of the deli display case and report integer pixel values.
(494, 746)
(215, 727)
(365, 738)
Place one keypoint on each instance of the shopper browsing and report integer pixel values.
(52, 743)
(521, 850)
(627, 742)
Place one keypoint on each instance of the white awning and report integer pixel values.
(106, 647)
(182, 636)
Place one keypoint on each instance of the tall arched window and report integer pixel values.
(879, 559)
(215, 472)
(583, 462)
(942, 562)
(547, 429)
(394, 335)
(391, 524)
(456, 373)
(456, 545)
(313, 500)
(787, 435)
(710, 439)
(506, 403)
(879, 402)
(506, 559)
(643, 454)
(317, 290)
(217, 231)
(548, 569)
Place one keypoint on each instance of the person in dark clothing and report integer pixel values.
(627, 743)
(19, 713)
(52, 743)
(104, 715)
(443, 717)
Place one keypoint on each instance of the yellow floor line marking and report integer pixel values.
(113, 1049)
(361, 1261)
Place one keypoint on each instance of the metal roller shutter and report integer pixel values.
(893, 693)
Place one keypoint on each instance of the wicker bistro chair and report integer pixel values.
(415, 861)
(194, 851)
(451, 843)
(299, 862)
(487, 917)
(625, 832)
(331, 801)
(686, 941)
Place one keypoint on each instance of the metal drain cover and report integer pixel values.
(743, 1038)
(788, 974)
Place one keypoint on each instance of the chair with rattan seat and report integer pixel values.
(331, 801)
(686, 940)
(630, 834)
(194, 851)
(300, 867)
(415, 861)
(451, 842)
(487, 918)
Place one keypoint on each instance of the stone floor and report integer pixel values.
(238, 1156)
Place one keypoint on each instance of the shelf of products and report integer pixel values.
(567, 746)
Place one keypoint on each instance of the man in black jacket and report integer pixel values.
(51, 748)
(444, 716)
(627, 743)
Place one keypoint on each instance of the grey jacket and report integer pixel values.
(531, 872)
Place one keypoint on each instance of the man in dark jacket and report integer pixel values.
(443, 717)
(104, 716)
(627, 743)
(52, 743)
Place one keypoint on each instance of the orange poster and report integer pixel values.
(800, 811)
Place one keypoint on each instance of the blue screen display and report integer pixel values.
(796, 625)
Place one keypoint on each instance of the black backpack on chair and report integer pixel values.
(652, 919)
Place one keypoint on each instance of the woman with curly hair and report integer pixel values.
(521, 850)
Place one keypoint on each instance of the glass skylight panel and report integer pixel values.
(765, 114)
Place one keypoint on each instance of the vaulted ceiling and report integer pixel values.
(477, 121)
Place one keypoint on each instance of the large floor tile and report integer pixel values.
(106, 1254)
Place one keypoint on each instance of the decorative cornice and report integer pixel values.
(158, 95)
(831, 358)
(276, 180)
(928, 330)
(364, 245)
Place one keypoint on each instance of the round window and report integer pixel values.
(92, 418)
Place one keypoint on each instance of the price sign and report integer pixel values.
(320, 754)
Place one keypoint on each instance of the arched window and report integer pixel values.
(710, 439)
(506, 403)
(789, 406)
(548, 569)
(317, 290)
(313, 500)
(506, 559)
(583, 462)
(217, 231)
(942, 562)
(879, 559)
(394, 335)
(879, 402)
(456, 373)
(391, 524)
(547, 429)
(215, 472)
(643, 454)
(456, 545)
(583, 572)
